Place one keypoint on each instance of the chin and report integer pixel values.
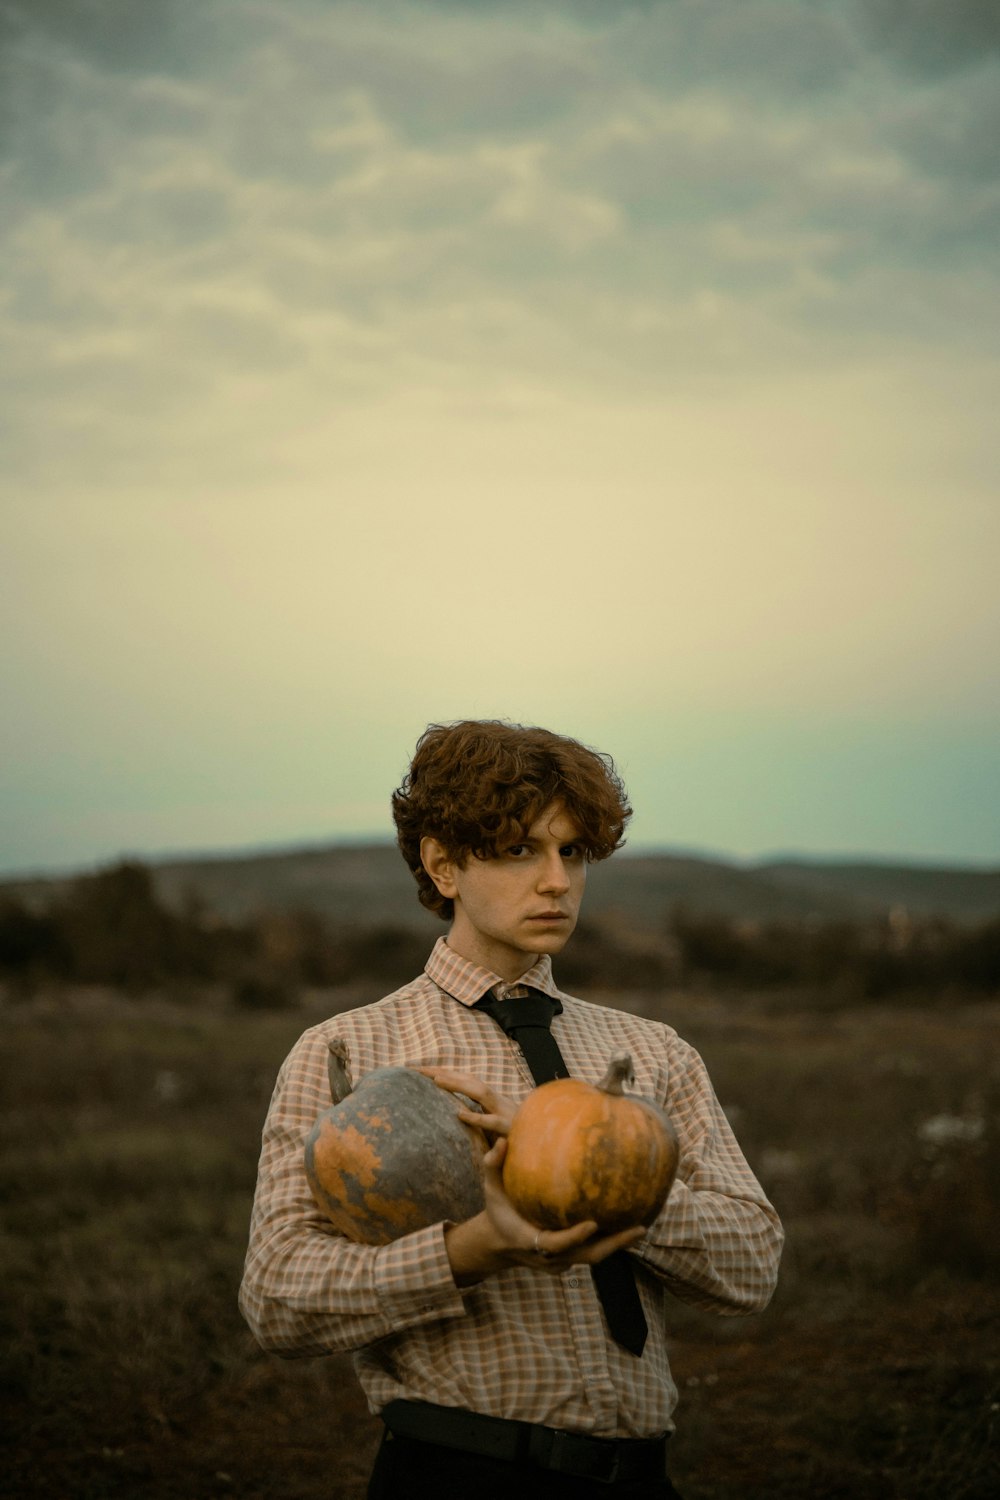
(550, 942)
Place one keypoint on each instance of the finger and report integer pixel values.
(494, 1124)
(558, 1242)
(490, 1102)
(438, 1072)
(493, 1160)
(457, 1082)
(570, 1246)
(556, 1249)
(608, 1244)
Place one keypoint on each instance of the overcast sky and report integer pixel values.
(628, 368)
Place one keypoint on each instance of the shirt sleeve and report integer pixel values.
(306, 1289)
(717, 1241)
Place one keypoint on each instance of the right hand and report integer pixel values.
(499, 1237)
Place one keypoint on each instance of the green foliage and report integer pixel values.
(115, 931)
(112, 928)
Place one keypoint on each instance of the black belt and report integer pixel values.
(603, 1460)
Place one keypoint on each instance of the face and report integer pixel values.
(520, 904)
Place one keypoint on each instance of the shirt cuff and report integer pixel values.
(414, 1281)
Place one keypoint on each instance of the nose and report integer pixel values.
(554, 879)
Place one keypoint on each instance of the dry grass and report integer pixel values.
(131, 1132)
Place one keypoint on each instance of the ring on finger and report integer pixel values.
(545, 1254)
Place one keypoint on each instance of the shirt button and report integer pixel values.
(573, 1281)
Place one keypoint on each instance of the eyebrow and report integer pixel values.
(527, 838)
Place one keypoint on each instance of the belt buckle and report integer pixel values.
(584, 1457)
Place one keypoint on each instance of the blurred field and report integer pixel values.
(131, 1131)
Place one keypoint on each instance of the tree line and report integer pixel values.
(112, 928)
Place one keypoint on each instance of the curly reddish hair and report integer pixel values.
(477, 786)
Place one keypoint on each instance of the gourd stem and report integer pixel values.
(336, 1067)
(620, 1071)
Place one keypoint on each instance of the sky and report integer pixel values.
(627, 368)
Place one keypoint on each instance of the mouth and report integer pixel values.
(549, 917)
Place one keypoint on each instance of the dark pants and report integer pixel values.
(406, 1469)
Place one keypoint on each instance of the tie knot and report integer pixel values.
(518, 1012)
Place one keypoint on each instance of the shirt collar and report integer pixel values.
(468, 982)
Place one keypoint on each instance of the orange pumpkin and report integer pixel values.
(391, 1155)
(578, 1151)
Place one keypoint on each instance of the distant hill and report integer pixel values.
(823, 890)
(369, 885)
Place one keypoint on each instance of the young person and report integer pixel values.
(494, 1351)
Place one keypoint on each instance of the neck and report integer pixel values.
(507, 965)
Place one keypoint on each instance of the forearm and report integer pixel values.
(717, 1241)
(306, 1291)
(473, 1251)
(715, 1250)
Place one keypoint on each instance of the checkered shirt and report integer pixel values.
(526, 1344)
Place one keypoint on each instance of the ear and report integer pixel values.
(439, 866)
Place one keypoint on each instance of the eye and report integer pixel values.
(571, 851)
(516, 850)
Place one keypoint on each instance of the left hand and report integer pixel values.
(497, 1110)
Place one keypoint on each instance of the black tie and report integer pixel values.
(528, 1020)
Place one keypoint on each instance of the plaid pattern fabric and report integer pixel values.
(525, 1344)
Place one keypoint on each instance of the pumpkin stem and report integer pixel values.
(336, 1067)
(620, 1071)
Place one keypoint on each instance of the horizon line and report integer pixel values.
(646, 849)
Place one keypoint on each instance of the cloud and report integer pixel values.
(664, 333)
(760, 49)
(324, 206)
(115, 34)
(949, 134)
(931, 38)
